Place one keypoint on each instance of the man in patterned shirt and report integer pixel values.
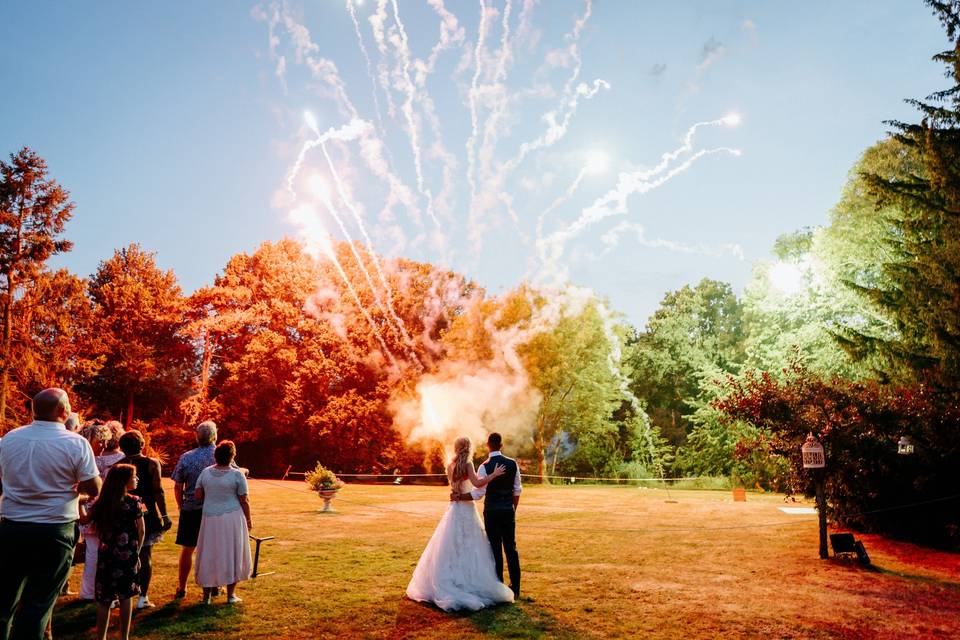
(185, 476)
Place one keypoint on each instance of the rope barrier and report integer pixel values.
(765, 525)
(392, 476)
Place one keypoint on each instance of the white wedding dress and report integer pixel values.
(456, 570)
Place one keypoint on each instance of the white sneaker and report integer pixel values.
(144, 603)
(234, 599)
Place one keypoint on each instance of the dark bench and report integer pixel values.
(844, 544)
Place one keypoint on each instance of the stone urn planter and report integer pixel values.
(327, 495)
(325, 483)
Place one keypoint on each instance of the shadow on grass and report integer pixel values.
(176, 619)
(928, 580)
(524, 619)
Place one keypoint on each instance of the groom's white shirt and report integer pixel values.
(482, 473)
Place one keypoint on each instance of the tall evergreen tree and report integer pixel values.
(33, 211)
(924, 299)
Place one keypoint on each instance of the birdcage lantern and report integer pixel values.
(812, 451)
(905, 446)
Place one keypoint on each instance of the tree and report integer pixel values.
(922, 295)
(58, 343)
(794, 305)
(560, 344)
(568, 364)
(868, 485)
(297, 372)
(696, 329)
(139, 309)
(33, 212)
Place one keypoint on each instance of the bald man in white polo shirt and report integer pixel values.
(43, 469)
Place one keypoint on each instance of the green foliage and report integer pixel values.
(322, 479)
(568, 364)
(713, 442)
(695, 329)
(922, 289)
(782, 324)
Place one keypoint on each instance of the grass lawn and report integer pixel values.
(597, 562)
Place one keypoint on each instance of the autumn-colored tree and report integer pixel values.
(299, 371)
(58, 343)
(33, 211)
(139, 310)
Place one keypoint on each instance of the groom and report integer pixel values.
(499, 509)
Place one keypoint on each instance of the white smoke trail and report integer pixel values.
(316, 237)
(558, 120)
(371, 145)
(349, 131)
(556, 130)
(353, 130)
(565, 196)
(614, 202)
(388, 308)
(366, 57)
(472, 100)
(496, 96)
(410, 90)
(451, 35)
(611, 239)
(378, 25)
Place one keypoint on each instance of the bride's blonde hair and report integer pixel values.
(462, 449)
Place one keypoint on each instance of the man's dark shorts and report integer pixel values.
(188, 529)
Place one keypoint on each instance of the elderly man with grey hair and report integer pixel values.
(44, 469)
(185, 476)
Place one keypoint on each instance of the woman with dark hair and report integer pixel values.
(155, 518)
(118, 518)
(223, 548)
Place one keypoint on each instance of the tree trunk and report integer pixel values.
(7, 340)
(205, 374)
(822, 514)
(541, 462)
(129, 417)
(556, 455)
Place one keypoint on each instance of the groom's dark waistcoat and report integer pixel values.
(499, 495)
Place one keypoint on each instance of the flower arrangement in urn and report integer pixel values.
(325, 483)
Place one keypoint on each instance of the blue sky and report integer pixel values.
(176, 124)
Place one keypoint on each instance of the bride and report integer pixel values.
(456, 570)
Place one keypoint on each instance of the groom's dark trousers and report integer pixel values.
(499, 519)
(501, 532)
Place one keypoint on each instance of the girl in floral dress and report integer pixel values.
(118, 518)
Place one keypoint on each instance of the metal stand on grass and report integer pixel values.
(256, 555)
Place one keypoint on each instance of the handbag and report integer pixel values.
(80, 553)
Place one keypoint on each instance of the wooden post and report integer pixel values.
(822, 515)
(814, 458)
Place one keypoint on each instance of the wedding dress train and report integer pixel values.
(456, 570)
